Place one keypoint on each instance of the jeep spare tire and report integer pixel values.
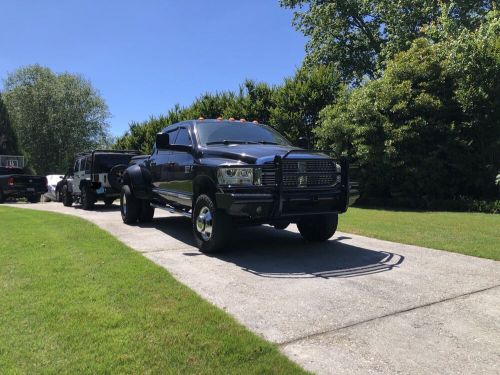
(115, 176)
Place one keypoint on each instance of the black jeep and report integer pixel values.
(223, 173)
(95, 175)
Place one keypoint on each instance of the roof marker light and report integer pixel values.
(219, 118)
(231, 118)
(255, 121)
(201, 118)
(242, 120)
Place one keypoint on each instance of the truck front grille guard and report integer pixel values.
(344, 180)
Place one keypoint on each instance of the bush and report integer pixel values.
(429, 128)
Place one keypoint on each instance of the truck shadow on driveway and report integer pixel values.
(271, 253)
(267, 252)
(99, 207)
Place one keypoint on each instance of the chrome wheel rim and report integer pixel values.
(204, 224)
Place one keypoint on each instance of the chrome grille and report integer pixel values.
(302, 173)
(268, 174)
(309, 173)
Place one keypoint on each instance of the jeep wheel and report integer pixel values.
(318, 228)
(67, 198)
(281, 225)
(34, 198)
(88, 198)
(147, 212)
(211, 227)
(109, 201)
(130, 206)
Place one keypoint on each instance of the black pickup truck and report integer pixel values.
(224, 173)
(14, 183)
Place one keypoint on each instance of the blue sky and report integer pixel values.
(146, 56)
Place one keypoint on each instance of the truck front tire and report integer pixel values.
(211, 227)
(130, 206)
(318, 228)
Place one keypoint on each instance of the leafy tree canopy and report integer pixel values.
(359, 36)
(54, 116)
(8, 140)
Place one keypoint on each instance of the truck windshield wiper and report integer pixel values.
(228, 142)
(267, 143)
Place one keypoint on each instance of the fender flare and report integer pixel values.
(139, 182)
(203, 183)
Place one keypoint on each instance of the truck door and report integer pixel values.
(180, 168)
(159, 165)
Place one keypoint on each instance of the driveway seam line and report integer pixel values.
(318, 334)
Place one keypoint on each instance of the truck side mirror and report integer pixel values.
(162, 141)
(303, 143)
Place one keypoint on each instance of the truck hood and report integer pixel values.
(254, 154)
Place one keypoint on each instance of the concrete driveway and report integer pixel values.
(353, 305)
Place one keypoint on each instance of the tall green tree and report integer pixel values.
(429, 128)
(299, 100)
(359, 36)
(8, 140)
(54, 116)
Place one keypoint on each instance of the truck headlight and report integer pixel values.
(239, 176)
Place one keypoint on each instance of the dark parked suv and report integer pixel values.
(95, 175)
(225, 173)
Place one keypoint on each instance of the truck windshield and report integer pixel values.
(217, 133)
(104, 162)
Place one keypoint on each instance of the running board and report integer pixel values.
(171, 209)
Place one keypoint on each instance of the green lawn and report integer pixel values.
(74, 300)
(466, 233)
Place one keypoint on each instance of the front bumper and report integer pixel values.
(273, 205)
(285, 202)
(23, 192)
